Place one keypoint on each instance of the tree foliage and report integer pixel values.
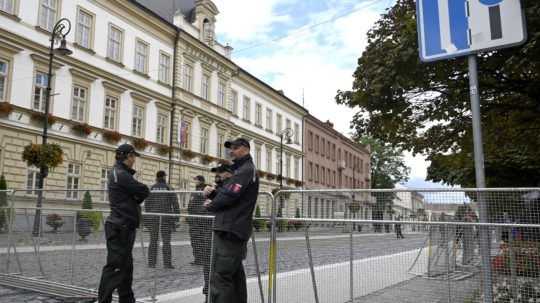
(425, 107)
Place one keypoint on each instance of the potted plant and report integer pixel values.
(39, 117)
(270, 176)
(140, 143)
(188, 154)
(49, 155)
(5, 109)
(55, 221)
(84, 227)
(290, 181)
(81, 129)
(207, 159)
(164, 150)
(112, 137)
(298, 183)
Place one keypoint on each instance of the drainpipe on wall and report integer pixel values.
(173, 100)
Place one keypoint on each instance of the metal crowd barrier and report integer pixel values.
(327, 246)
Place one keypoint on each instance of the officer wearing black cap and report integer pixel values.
(162, 200)
(125, 196)
(233, 206)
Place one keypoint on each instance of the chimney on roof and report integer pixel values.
(228, 51)
(281, 92)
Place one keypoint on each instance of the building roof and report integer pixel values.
(167, 8)
(328, 126)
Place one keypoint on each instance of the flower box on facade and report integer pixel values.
(188, 154)
(38, 118)
(81, 129)
(270, 176)
(261, 173)
(298, 183)
(49, 155)
(5, 109)
(112, 137)
(140, 143)
(207, 159)
(164, 150)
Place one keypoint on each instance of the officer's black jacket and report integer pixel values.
(161, 202)
(235, 201)
(125, 196)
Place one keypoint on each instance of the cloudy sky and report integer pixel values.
(307, 48)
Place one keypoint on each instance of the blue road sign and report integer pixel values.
(452, 28)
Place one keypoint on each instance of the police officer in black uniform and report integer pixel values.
(161, 200)
(233, 207)
(125, 196)
(196, 224)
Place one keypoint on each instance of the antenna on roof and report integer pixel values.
(303, 98)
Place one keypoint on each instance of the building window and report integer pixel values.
(258, 156)
(40, 90)
(234, 102)
(296, 133)
(164, 68)
(269, 122)
(279, 166)
(85, 22)
(323, 147)
(48, 11)
(185, 138)
(333, 152)
(220, 147)
(141, 57)
(269, 160)
(258, 115)
(287, 166)
(328, 150)
(104, 181)
(316, 144)
(73, 178)
(288, 124)
(310, 140)
(296, 168)
(205, 87)
(162, 125)
(222, 93)
(111, 111)
(310, 171)
(279, 123)
(7, 6)
(3, 79)
(79, 103)
(137, 122)
(114, 47)
(316, 177)
(204, 141)
(188, 77)
(323, 175)
(32, 175)
(247, 109)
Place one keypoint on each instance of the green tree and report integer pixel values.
(93, 217)
(4, 211)
(388, 168)
(425, 107)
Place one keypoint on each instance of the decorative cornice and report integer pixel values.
(42, 60)
(114, 87)
(140, 97)
(83, 75)
(10, 49)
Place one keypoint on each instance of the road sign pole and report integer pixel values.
(485, 238)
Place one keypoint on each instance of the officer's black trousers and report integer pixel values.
(228, 280)
(166, 229)
(118, 272)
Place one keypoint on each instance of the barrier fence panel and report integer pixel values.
(406, 245)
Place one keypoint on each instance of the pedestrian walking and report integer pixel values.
(125, 196)
(161, 200)
(223, 174)
(397, 227)
(233, 206)
(197, 225)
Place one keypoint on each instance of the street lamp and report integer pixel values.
(60, 30)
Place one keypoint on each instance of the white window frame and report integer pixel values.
(110, 112)
(162, 127)
(104, 180)
(85, 28)
(269, 160)
(137, 120)
(4, 79)
(79, 103)
(220, 146)
(269, 120)
(187, 143)
(188, 77)
(73, 181)
(8, 6)
(288, 124)
(287, 166)
(203, 148)
(40, 88)
(164, 67)
(296, 133)
(258, 156)
(246, 108)
(32, 172)
(279, 123)
(115, 44)
(48, 14)
(205, 86)
(222, 93)
(234, 102)
(258, 114)
(296, 168)
(142, 51)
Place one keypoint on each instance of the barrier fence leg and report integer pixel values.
(311, 269)
(154, 288)
(211, 269)
(37, 245)
(257, 269)
(351, 266)
(447, 251)
(73, 239)
(513, 273)
(10, 235)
